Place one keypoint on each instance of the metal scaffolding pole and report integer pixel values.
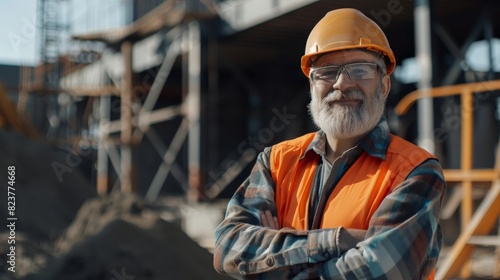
(423, 50)
(193, 110)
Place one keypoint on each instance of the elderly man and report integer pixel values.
(351, 201)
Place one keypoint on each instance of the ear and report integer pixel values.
(386, 85)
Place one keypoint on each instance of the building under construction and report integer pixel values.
(171, 101)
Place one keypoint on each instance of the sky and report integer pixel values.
(18, 32)
(18, 24)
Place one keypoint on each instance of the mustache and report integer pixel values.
(336, 95)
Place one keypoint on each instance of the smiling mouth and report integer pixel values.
(344, 102)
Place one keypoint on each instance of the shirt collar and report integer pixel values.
(375, 143)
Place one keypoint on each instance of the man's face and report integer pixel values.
(346, 107)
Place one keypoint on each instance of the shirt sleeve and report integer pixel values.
(404, 237)
(246, 250)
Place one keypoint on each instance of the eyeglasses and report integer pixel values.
(354, 71)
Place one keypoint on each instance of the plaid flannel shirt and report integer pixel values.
(404, 243)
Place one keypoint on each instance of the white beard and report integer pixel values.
(347, 121)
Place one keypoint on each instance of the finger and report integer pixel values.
(263, 219)
(276, 223)
(271, 220)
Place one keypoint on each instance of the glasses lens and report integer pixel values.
(355, 71)
(361, 71)
(325, 74)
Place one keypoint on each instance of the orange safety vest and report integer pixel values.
(356, 196)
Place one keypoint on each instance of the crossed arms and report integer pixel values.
(403, 240)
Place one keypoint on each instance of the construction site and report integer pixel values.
(142, 117)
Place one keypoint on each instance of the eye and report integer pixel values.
(361, 71)
(358, 72)
(326, 74)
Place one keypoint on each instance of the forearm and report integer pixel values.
(400, 244)
(383, 257)
(243, 249)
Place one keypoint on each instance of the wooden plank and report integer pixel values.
(126, 120)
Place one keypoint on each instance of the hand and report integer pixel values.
(268, 220)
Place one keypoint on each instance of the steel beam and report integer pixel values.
(168, 161)
(455, 69)
(193, 107)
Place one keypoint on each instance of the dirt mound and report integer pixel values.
(121, 237)
(96, 213)
(125, 251)
(65, 231)
(49, 187)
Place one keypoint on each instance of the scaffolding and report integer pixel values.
(136, 115)
(39, 86)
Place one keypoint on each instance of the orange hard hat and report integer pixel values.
(345, 29)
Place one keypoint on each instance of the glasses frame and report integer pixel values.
(342, 68)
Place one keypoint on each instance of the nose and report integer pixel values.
(342, 81)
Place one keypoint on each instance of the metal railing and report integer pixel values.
(480, 222)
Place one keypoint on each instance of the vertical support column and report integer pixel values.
(488, 34)
(466, 165)
(466, 152)
(126, 119)
(423, 49)
(102, 155)
(213, 98)
(193, 111)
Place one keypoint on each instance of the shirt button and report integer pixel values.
(270, 261)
